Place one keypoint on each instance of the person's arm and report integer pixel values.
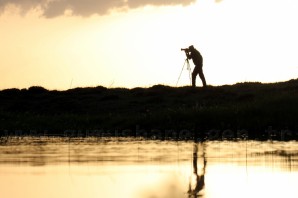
(188, 55)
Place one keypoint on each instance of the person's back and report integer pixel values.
(196, 57)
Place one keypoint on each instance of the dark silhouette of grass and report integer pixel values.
(250, 106)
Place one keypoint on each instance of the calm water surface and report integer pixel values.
(136, 168)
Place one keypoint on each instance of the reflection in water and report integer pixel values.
(136, 168)
(197, 181)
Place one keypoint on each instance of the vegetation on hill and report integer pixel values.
(228, 111)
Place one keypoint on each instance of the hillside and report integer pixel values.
(216, 112)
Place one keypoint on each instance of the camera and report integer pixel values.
(185, 49)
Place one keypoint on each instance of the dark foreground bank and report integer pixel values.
(231, 111)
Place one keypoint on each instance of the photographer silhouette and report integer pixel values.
(197, 59)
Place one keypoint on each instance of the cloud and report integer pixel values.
(81, 7)
(140, 3)
(25, 5)
(54, 8)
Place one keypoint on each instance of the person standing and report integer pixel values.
(195, 55)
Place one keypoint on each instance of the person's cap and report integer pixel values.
(191, 47)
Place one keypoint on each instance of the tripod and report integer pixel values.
(188, 68)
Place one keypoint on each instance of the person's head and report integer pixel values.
(191, 48)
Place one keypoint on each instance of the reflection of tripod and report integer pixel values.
(188, 68)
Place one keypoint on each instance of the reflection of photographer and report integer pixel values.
(197, 181)
(197, 59)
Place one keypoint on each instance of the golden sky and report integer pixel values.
(136, 43)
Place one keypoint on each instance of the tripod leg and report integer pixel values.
(189, 69)
(181, 72)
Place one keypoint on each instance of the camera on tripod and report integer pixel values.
(185, 49)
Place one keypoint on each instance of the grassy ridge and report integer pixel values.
(249, 106)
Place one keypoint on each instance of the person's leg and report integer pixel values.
(194, 76)
(201, 74)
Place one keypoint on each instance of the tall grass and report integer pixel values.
(250, 106)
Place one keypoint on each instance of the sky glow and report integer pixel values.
(66, 44)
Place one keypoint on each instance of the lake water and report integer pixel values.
(135, 168)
